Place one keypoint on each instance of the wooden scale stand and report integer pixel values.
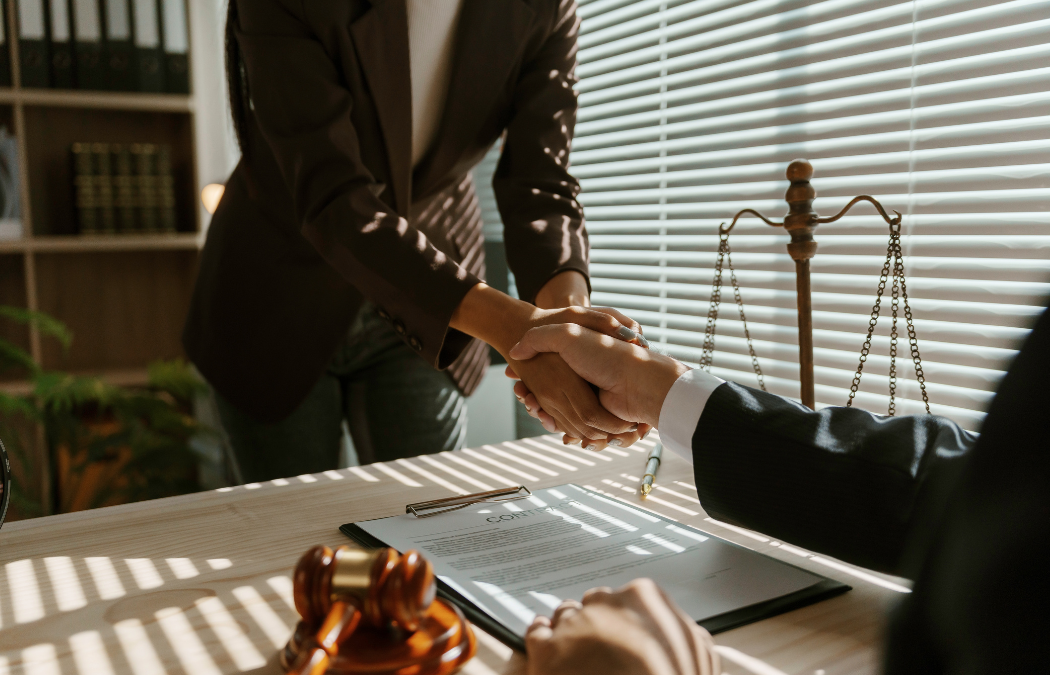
(373, 611)
(800, 222)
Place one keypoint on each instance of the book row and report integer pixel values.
(109, 45)
(123, 188)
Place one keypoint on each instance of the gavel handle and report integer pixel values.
(318, 651)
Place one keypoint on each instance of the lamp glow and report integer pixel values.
(211, 195)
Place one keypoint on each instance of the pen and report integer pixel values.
(651, 465)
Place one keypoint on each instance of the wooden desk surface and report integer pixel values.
(200, 584)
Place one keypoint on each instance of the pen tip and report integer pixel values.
(646, 489)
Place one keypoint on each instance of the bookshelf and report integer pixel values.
(124, 296)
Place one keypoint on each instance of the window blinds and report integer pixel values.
(691, 111)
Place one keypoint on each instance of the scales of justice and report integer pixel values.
(800, 222)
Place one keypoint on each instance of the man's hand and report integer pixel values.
(636, 630)
(570, 289)
(633, 381)
(501, 321)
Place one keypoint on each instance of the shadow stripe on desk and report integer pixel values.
(521, 459)
(198, 630)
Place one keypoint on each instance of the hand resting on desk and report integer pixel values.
(636, 630)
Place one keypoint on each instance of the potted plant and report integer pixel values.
(107, 444)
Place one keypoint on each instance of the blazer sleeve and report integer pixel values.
(543, 223)
(303, 112)
(840, 481)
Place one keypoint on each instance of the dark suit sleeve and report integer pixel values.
(839, 481)
(303, 110)
(536, 194)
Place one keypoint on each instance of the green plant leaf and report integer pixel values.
(177, 378)
(45, 323)
(12, 356)
(62, 394)
(11, 406)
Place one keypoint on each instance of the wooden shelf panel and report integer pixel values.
(103, 243)
(125, 309)
(13, 294)
(100, 100)
(132, 377)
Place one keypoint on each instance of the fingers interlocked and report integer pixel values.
(603, 320)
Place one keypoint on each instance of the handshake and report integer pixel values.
(555, 362)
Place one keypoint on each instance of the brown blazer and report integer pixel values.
(324, 210)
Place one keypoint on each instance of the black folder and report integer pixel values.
(61, 44)
(176, 46)
(117, 48)
(32, 43)
(5, 54)
(733, 619)
(87, 46)
(149, 57)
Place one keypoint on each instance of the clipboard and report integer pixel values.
(436, 507)
(822, 590)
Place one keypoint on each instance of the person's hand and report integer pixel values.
(566, 399)
(570, 289)
(633, 381)
(636, 630)
(630, 331)
(501, 321)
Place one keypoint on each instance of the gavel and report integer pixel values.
(373, 611)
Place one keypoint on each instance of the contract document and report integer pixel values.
(504, 563)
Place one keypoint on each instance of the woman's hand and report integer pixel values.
(570, 289)
(502, 321)
(566, 341)
(636, 630)
(633, 382)
(630, 332)
(535, 410)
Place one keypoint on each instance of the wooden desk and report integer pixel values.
(200, 584)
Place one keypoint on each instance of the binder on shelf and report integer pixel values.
(32, 43)
(176, 46)
(123, 188)
(61, 44)
(84, 188)
(145, 156)
(124, 201)
(10, 192)
(117, 48)
(167, 220)
(107, 221)
(149, 57)
(87, 33)
(5, 54)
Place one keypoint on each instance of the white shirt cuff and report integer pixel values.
(682, 409)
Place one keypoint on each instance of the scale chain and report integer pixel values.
(707, 353)
(898, 294)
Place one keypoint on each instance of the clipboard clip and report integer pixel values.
(439, 506)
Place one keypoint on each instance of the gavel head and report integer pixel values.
(384, 586)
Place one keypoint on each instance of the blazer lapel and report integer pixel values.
(488, 45)
(380, 37)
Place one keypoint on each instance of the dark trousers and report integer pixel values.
(394, 403)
